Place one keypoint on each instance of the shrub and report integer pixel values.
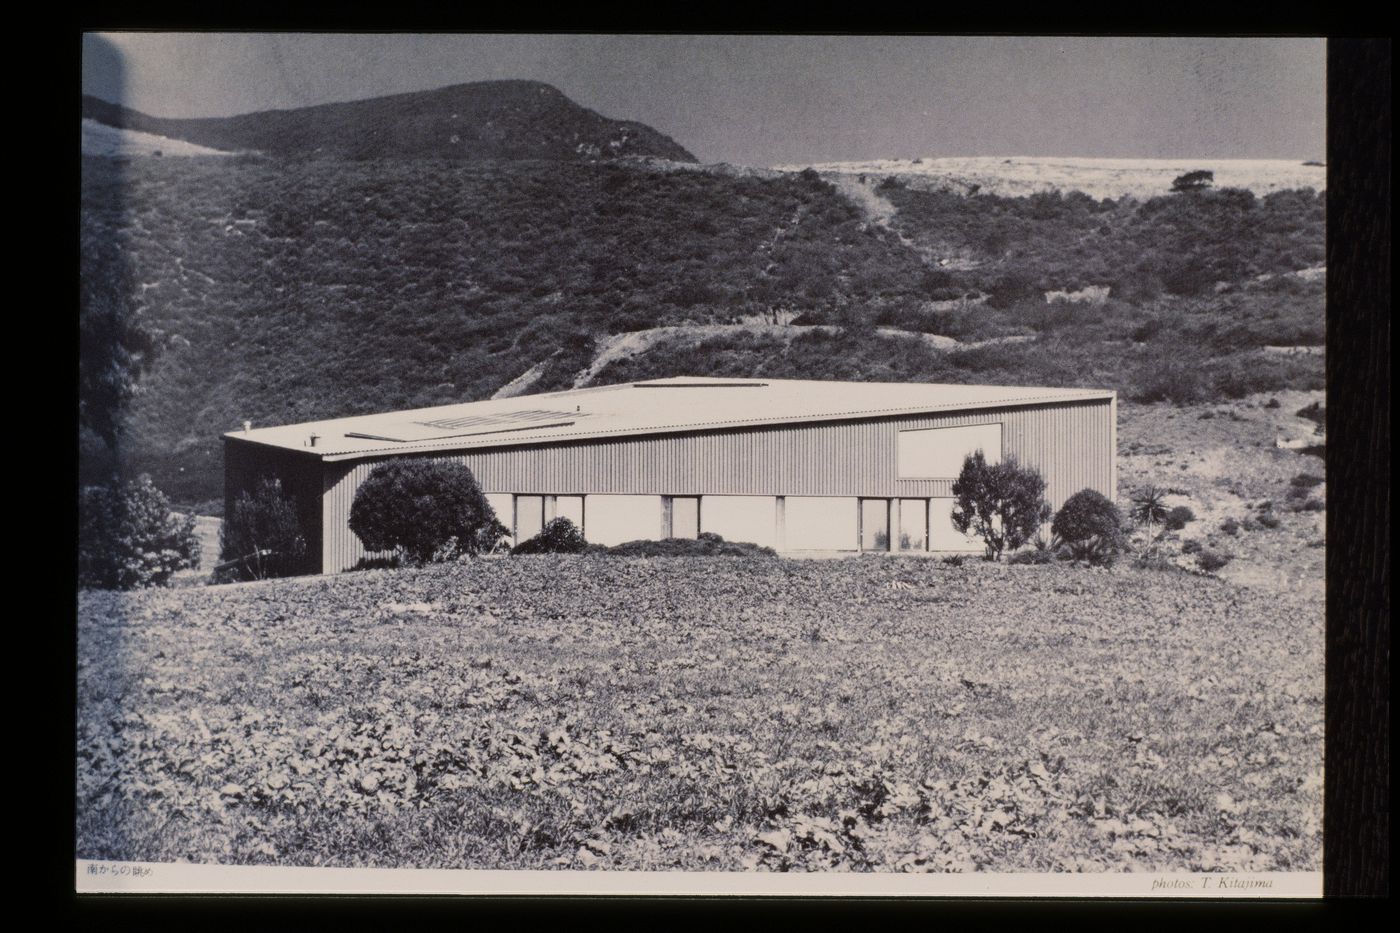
(1178, 517)
(1172, 382)
(1305, 481)
(1314, 413)
(262, 536)
(1154, 562)
(424, 509)
(1211, 561)
(1147, 330)
(1149, 508)
(1003, 504)
(129, 538)
(1041, 552)
(707, 544)
(1268, 519)
(559, 536)
(955, 560)
(1191, 547)
(1193, 181)
(1230, 527)
(1012, 288)
(1091, 525)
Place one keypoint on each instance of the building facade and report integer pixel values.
(803, 467)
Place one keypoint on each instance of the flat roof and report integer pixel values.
(656, 406)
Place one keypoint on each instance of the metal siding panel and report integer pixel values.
(1070, 443)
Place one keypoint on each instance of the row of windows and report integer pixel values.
(791, 523)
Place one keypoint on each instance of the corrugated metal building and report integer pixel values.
(795, 465)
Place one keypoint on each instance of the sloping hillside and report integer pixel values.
(484, 120)
(289, 290)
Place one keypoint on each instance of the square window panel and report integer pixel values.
(874, 524)
(529, 517)
(913, 524)
(685, 517)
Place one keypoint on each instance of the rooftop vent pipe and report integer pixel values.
(312, 441)
(247, 425)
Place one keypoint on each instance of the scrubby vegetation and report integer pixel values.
(283, 287)
(1316, 414)
(559, 536)
(1210, 560)
(1177, 517)
(707, 544)
(128, 537)
(262, 537)
(424, 511)
(1171, 244)
(707, 715)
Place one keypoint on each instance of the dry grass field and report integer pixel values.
(872, 714)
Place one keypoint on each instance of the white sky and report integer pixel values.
(762, 100)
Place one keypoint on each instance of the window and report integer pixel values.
(570, 507)
(742, 518)
(938, 453)
(685, 517)
(874, 524)
(503, 504)
(820, 523)
(616, 519)
(943, 536)
(529, 517)
(913, 524)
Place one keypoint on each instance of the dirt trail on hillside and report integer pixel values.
(521, 383)
(623, 346)
(863, 195)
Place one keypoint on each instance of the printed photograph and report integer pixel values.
(880, 455)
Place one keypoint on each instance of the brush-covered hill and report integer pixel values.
(501, 120)
(287, 290)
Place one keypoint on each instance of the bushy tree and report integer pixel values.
(262, 535)
(1198, 180)
(1003, 504)
(129, 538)
(1091, 526)
(425, 510)
(559, 536)
(114, 349)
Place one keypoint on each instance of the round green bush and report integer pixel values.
(1091, 525)
(425, 509)
(129, 538)
(559, 536)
